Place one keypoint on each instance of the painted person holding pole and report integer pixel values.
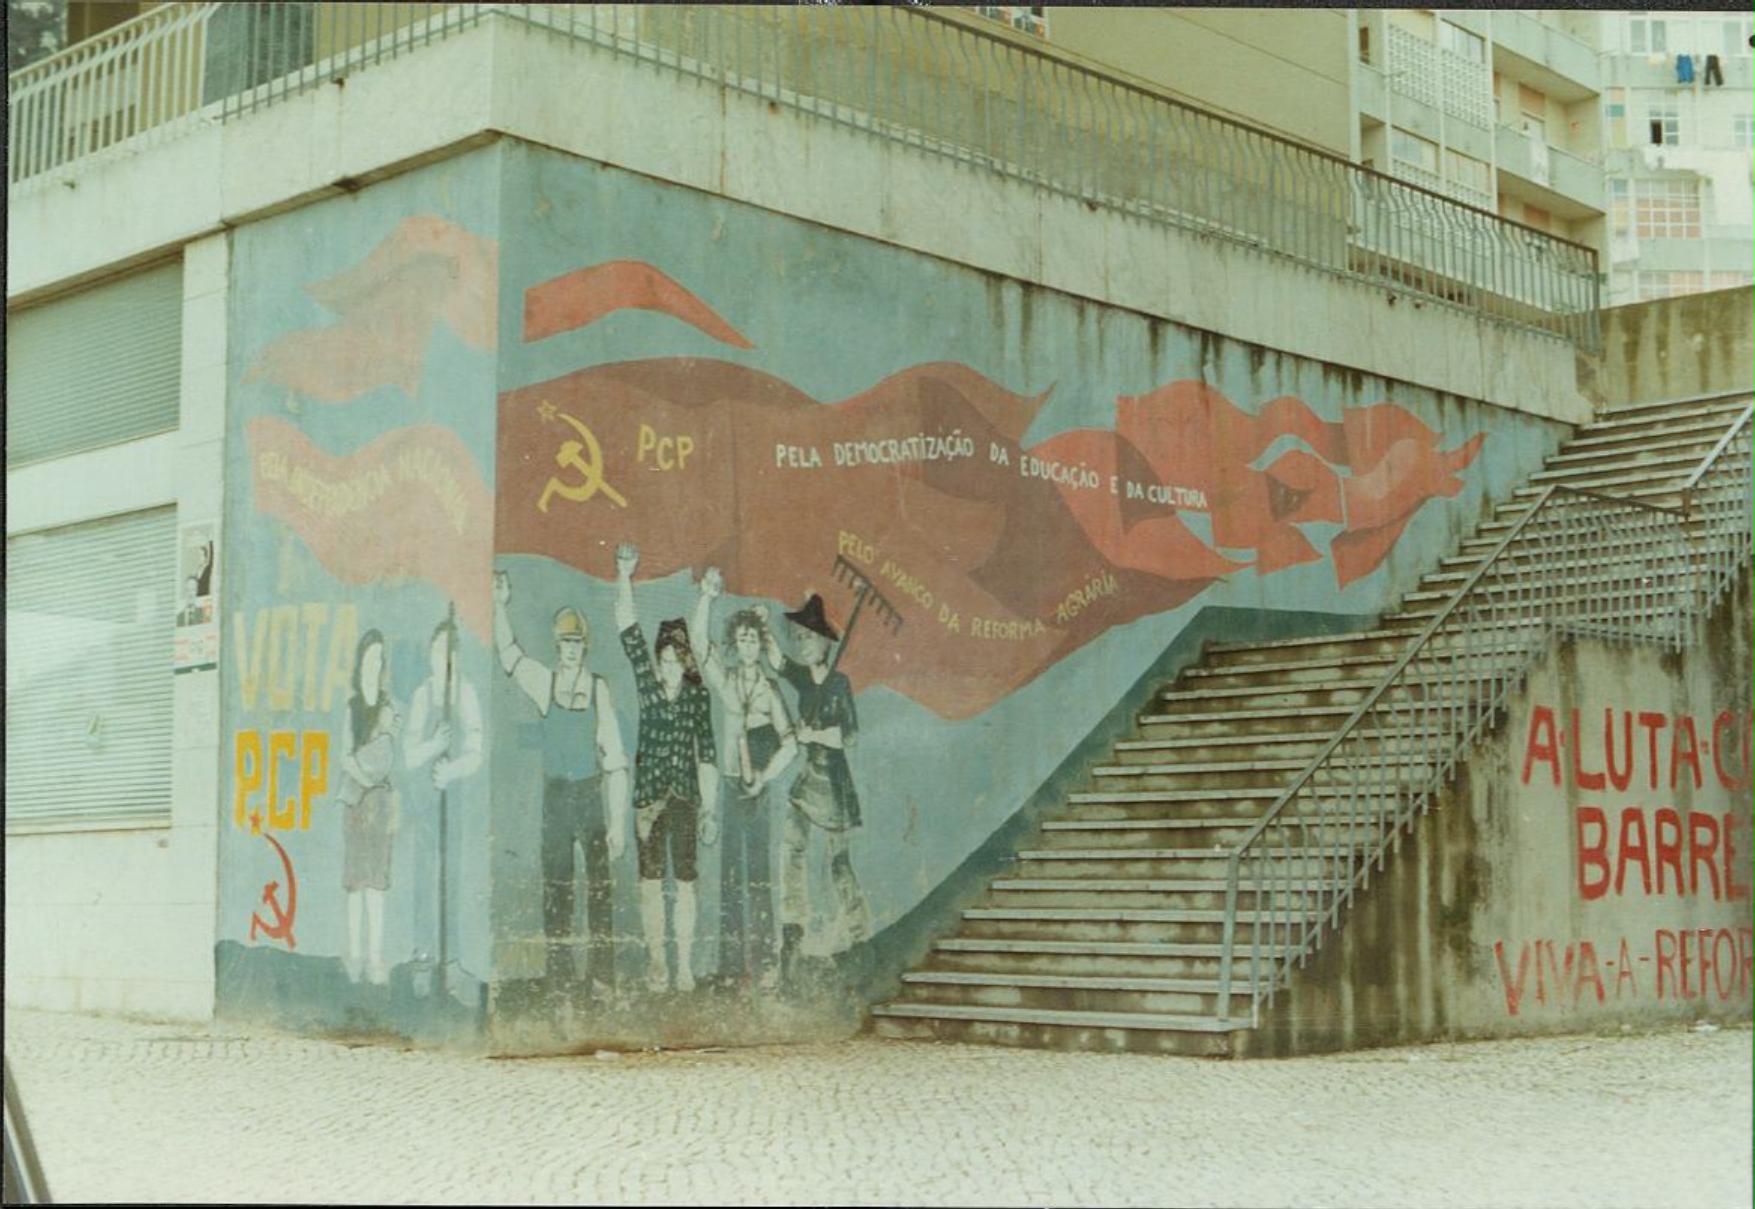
(443, 731)
(823, 797)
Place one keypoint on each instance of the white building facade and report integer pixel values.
(1679, 124)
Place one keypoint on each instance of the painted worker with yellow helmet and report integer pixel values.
(584, 788)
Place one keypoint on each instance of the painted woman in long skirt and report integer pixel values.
(370, 807)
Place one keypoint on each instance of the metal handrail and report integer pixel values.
(109, 39)
(1668, 522)
(1243, 127)
(1724, 442)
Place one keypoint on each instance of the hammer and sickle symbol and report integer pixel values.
(282, 927)
(590, 468)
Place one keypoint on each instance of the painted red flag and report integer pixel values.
(410, 504)
(424, 273)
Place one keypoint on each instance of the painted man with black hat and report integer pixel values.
(823, 796)
(676, 777)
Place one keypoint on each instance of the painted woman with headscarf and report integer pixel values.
(676, 778)
(370, 808)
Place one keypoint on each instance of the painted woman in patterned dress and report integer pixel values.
(676, 778)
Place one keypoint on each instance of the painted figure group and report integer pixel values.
(693, 786)
(441, 733)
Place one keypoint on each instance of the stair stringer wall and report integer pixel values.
(1445, 938)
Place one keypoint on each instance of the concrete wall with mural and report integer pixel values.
(1591, 866)
(644, 606)
(357, 617)
(893, 536)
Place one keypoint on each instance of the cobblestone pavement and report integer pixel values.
(166, 1112)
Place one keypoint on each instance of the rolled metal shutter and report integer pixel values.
(89, 610)
(96, 367)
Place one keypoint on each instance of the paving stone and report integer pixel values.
(134, 1111)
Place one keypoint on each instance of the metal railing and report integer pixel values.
(1576, 563)
(140, 80)
(911, 76)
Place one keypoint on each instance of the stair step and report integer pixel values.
(1699, 442)
(1727, 402)
(1281, 714)
(1681, 428)
(1063, 982)
(1181, 854)
(1088, 1020)
(1195, 769)
(1098, 915)
(1303, 675)
(1117, 885)
(1168, 745)
(1652, 466)
(1094, 948)
(1664, 492)
(1180, 824)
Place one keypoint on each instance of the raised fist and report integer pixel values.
(502, 588)
(627, 558)
(712, 583)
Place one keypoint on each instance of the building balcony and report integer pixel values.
(1640, 71)
(1565, 184)
(1547, 58)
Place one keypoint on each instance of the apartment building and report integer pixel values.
(1496, 108)
(1679, 128)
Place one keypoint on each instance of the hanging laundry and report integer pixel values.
(1684, 69)
(1713, 73)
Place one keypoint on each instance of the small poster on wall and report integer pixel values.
(195, 639)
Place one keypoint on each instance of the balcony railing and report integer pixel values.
(909, 76)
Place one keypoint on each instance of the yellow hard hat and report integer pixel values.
(569, 624)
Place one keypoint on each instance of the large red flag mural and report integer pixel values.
(1001, 558)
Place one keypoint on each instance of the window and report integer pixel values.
(1620, 207)
(1667, 210)
(1653, 285)
(1730, 281)
(1467, 171)
(1026, 18)
(1665, 122)
(1459, 41)
(1741, 133)
(1647, 35)
(1736, 35)
(88, 672)
(94, 368)
(1413, 150)
(1364, 44)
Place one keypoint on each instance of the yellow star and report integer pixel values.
(546, 410)
(255, 822)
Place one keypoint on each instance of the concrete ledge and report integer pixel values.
(503, 78)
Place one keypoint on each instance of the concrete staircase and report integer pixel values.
(1107, 932)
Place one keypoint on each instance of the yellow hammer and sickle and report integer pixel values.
(590, 469)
